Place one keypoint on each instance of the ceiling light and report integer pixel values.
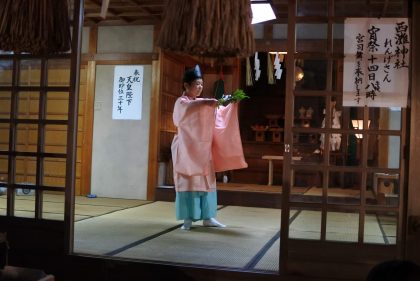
(261, 11)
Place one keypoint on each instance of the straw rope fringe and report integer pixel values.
(248, 73)
(34, 26)
(217, 28)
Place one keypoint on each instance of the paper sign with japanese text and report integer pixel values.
(376, 62)
(127, 94)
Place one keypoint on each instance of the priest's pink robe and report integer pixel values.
(227, 149)
(207, 140)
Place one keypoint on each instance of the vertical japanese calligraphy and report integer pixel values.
(376, 56)
(127, 94)
(401, 42)
(373, 87)
(358, 74)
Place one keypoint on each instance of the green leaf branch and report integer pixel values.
(236, 96)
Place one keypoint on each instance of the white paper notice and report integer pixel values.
(128, 92)
(376, 62)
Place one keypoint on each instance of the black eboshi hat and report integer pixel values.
(192, 74)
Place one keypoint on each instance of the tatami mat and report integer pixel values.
(212, 247)
(270, 261)
(148, 230)
(102, 201)
(235, 246)
(307, 225)
(372, 228)
(389, 227)
(340, 227)
(53, 206)
(344, 227)
(251, 240)
(103, 234)
(390, 230)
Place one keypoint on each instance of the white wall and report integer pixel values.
(120, 147)
(85, 39)
(125, 39)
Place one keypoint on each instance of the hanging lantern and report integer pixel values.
(299, 74)
(217, 28)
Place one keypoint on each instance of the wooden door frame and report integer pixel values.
(288, 137)
(332, 247)
(154, 130)
(86, 161)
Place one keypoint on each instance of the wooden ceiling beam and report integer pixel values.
(104, 8)
(133, 14)
(98, 5)
(119, 21)
(142, 8)
(129, 12)
(98, 15)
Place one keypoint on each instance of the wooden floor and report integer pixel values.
(254, 195)
(240, 187)
(249, 187)
(247, 195)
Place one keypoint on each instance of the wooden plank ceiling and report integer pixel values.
(144, 12)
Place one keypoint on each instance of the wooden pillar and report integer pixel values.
(86, 162)
(413, 195)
